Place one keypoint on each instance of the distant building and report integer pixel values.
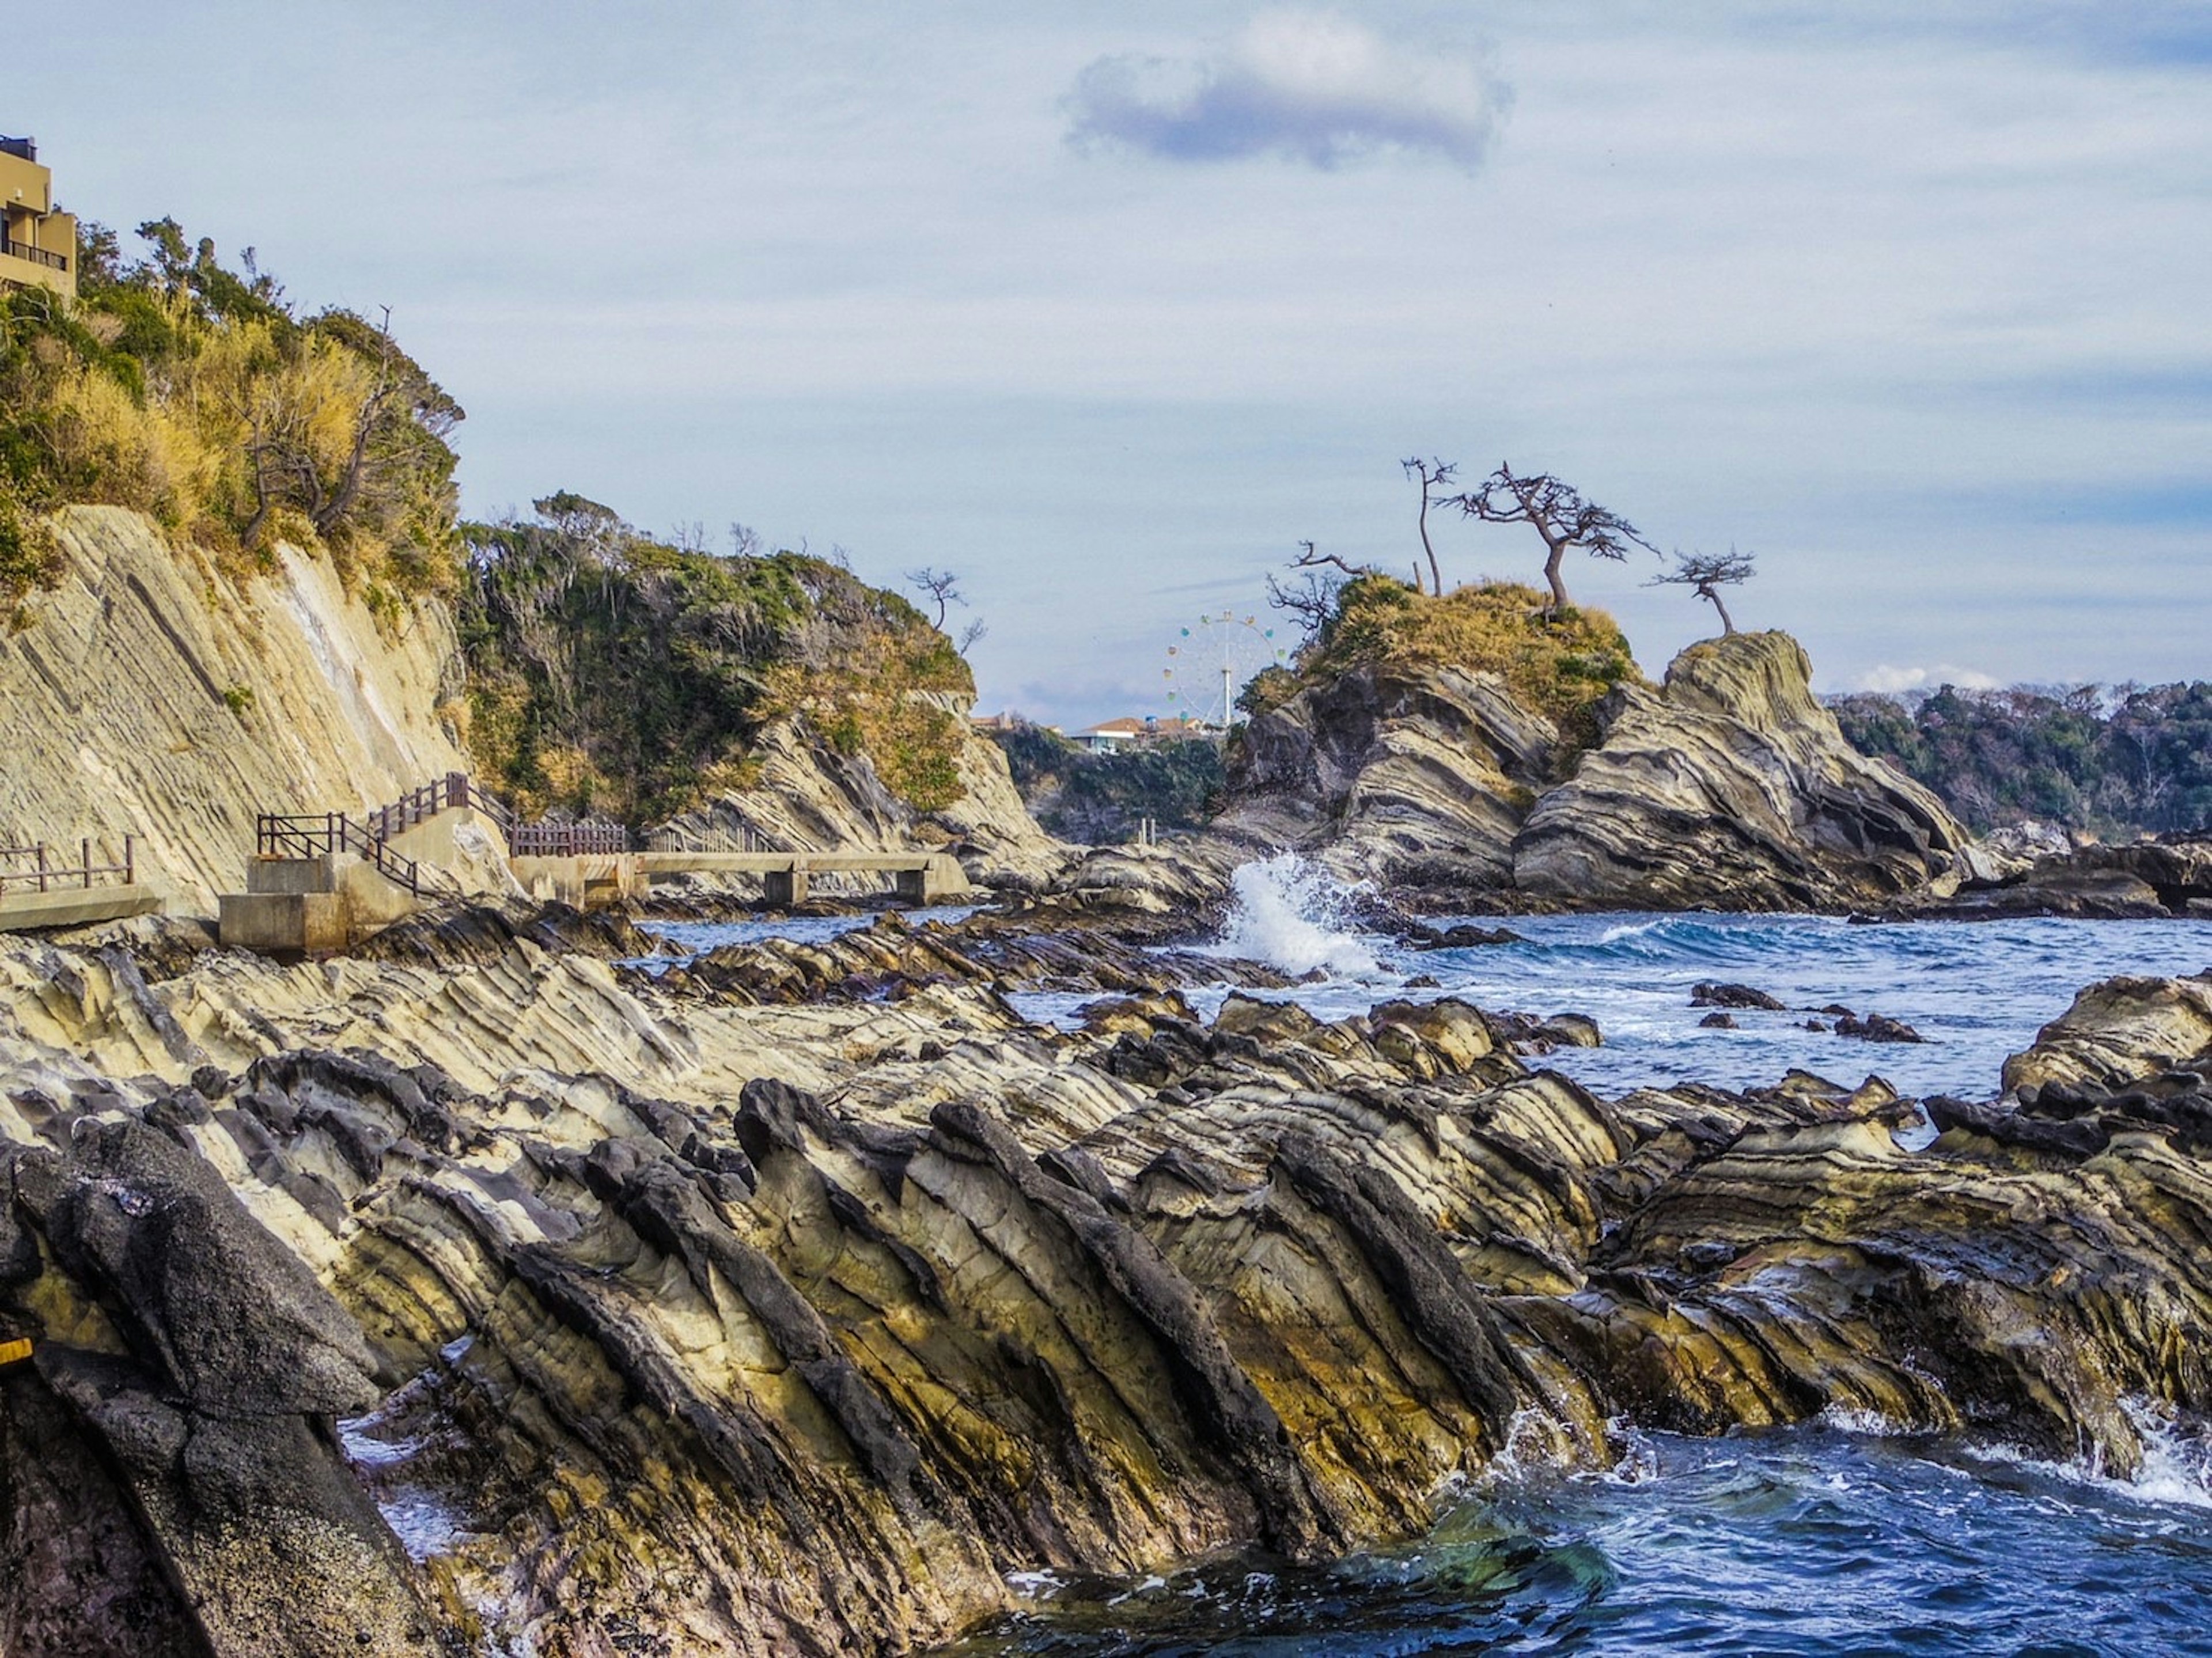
(40, 249)
(1112, 736)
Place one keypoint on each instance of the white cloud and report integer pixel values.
(1890, 681)
(1310, 86)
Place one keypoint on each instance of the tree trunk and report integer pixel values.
(1728, 624)
(1560, 600)
(1435, 576)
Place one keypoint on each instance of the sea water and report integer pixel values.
(1835, 1537)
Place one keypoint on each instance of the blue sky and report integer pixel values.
(1107, 307)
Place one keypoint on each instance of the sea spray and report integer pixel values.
(1291, 914)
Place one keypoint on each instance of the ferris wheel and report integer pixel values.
(1209, 662)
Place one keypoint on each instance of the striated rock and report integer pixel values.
(148, 696)
(2121, 1031)
(1731, 787)
(1409, 778)
(812, 798)
(792, 1301)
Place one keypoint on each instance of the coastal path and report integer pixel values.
(37, 891)
(919, 878)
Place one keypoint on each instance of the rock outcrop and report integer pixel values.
(812, 798)
(1409, 778)
(791, 1299)
(150, 696)
(1731, 787)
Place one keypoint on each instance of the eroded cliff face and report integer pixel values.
(812, 798)
(1408, 778)
(793, 1300)
(1731, 787)
(1728, 786)
(150, 696)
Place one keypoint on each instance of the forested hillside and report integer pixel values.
(2113, 761)
(612, 672)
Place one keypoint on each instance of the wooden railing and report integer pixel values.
(33, 866)
(323, 834)
(586, 840)
(318, 834)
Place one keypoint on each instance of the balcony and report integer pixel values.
(35, 255)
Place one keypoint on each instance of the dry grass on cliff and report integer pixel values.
(1561, 665)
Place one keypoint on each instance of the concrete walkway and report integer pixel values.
(22, 912)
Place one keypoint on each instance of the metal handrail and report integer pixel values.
(324, 833)
(38, 255)
(44, 874)
(318, 833)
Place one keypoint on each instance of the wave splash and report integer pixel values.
(1293, 914)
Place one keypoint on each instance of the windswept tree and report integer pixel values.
(942, 586)
(1312, 600)
(1707, 574)
(1431, 475)
(1558, 513)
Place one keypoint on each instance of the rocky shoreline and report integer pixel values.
(792, 1299)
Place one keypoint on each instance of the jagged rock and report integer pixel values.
(1731, 787)
(1412, 779)
(1731, 995)
(750, 1314)
(1718, 1022)
(2119, 1032)
(1876, 1028)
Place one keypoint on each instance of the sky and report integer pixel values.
(1107, 308)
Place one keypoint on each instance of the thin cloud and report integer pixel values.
(1305, 87)
(1890, 681)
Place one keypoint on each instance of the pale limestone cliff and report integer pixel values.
(150, 696)
(810, 799)
(1731, 787)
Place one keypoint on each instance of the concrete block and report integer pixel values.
(284, 923)
(318, 874)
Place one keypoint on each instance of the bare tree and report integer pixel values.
(1708, 573)
(970, 634)
(1431, 475)
(1559, 514)
(744, 540)
(943, 585)
(1312, 600)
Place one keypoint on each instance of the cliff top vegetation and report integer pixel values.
(1561, 661)
(613, 673)
(200, 396)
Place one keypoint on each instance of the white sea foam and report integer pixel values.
(1291, 914)
(2176, 1467)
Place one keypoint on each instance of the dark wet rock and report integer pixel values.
(1733, 995)
(1718, 1022)
(1876, 1028)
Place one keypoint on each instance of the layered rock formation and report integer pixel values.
(792, 1300)
(1411, 778)
(1731, 787)
(812, 798)
(150, 696)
